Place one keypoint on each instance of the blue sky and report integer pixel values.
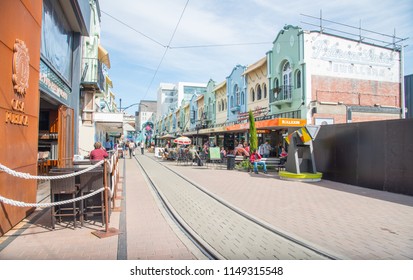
(136, 34)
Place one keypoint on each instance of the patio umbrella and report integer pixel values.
(183, 140)
(167, 136)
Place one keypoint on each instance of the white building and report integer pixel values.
(170, 96)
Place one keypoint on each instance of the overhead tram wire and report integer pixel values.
(134, 29)
(166, 49)
(218, 45)
(181, 47)
(168, 46)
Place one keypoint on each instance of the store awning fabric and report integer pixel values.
(103, 56)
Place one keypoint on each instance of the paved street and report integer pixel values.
(345, 221)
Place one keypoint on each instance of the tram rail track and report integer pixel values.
(179, 222)
(307, 251)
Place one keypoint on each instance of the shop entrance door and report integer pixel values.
(65, 136)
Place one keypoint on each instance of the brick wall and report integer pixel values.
(355, 92)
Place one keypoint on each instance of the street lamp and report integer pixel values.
(127, 107)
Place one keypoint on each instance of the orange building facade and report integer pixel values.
(20, 39)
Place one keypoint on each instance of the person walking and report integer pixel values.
(108, 144)
(131, 147)
(142, 147)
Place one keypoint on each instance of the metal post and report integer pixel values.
(108, 231)
(105, 183)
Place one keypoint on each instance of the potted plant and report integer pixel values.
(244, 165)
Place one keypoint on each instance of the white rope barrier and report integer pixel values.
(29, 176)
(46, 205)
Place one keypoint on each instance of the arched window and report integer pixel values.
(252, 95)
(226, 105)
(276, 87)
(264, 89)
(242, 98)
(237, 96)
(298, 79)
(222, 105)
(287, 74)
(231, 102)
(214, 110)
(259, 95)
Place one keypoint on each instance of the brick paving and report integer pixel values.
(351, 222)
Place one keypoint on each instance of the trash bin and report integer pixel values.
(230, 162)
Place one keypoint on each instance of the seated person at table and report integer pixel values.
(283, 156)
(98, 153)
(255, 159)
(223, 153)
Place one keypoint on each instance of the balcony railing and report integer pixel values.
(284, 95)
(92, 74)
(235, 108)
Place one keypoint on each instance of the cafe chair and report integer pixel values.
(61, 190)
(92, 206)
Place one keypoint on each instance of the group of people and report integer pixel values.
(255, 156)
(130, 145)
(100, 151)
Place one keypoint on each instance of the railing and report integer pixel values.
(235, 108)
(92, 73)
(285, 94)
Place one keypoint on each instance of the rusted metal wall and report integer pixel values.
(18, 145)
(376, 155)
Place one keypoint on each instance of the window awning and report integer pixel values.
(109, 81)
(103, 56)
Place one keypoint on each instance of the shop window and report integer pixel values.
(57, 39)
(44, 120)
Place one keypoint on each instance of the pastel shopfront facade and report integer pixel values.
(327, 79)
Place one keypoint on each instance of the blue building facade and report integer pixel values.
(236, 93)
